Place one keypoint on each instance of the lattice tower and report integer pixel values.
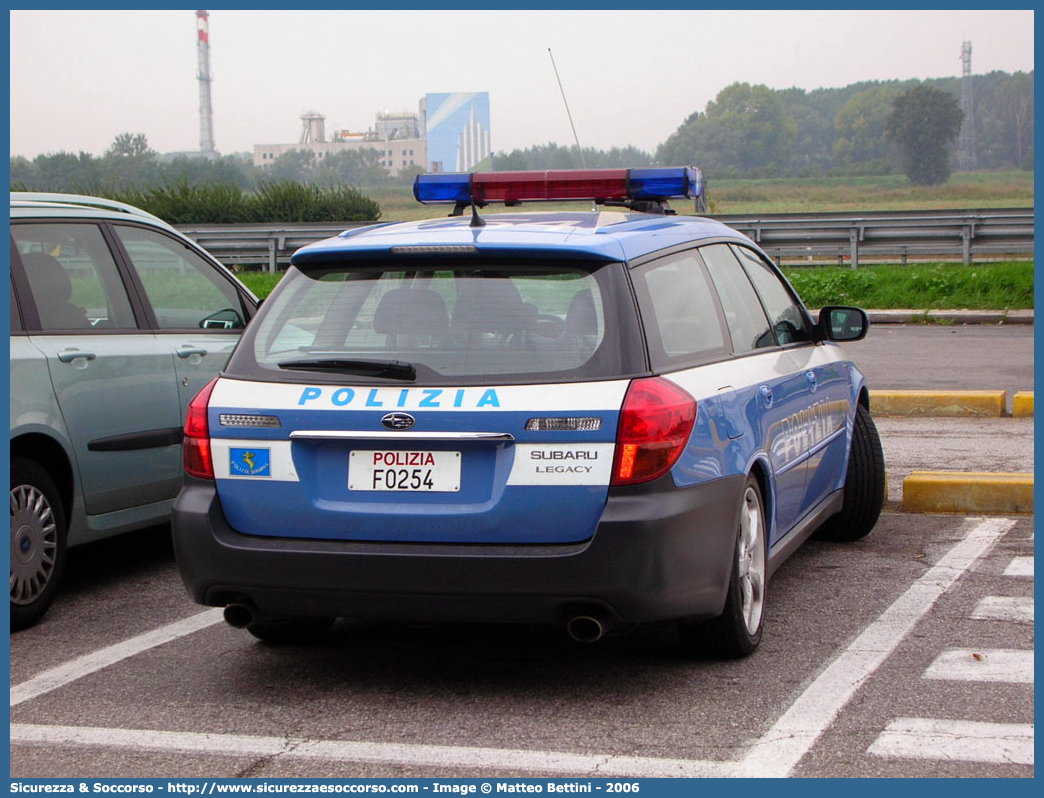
(966, 160)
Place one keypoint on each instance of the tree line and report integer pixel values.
(755, 131)
(868, 128)
(129, 164)
(752, 131)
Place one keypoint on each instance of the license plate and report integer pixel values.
(413, 472)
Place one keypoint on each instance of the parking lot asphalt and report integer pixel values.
(951, 448)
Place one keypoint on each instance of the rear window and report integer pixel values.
(452, 323)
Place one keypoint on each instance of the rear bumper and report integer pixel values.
(659, 552)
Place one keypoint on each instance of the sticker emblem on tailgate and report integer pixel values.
(249, 463)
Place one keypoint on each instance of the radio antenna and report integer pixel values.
(566, 102)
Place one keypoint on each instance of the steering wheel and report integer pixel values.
(549, 326)
(224, 319)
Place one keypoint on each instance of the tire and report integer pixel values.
(864, 485)
(38, 542)
(291, 631)
(737, 631)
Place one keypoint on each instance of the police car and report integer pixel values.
(588, 418)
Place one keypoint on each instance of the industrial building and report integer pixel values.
(399, 145)
(449, 133)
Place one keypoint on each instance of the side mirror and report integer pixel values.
(840, 323)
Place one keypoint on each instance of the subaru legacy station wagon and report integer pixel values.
(117, 321)
(590, 418)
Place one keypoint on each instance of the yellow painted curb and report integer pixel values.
(938, 403)
(1022, 404)
(956, 492)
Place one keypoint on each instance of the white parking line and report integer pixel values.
(89, 663)
(778, 752)
(1020, 566)
(1004, 608)
(774, 755)
(428, 756)
(956, 741)
(983, 665)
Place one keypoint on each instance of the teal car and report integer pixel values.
(117, 321)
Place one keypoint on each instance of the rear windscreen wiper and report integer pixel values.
(388, 369)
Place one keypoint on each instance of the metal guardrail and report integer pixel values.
(794, 238)
(266, 245)
(891, 235)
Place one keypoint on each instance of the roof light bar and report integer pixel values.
(653, 184)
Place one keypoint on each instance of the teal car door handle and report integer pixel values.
(187, 352)
(69, 355)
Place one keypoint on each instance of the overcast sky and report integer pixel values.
(80, 78)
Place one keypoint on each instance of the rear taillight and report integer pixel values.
(196, 450)
(655, 423)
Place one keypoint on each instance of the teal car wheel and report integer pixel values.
(38, 537)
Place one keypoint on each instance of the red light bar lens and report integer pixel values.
(551, 185)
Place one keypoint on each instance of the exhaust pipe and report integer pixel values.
(239, 616)
(590, 627)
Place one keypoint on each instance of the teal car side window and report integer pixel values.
(73, 278)
(185, 291)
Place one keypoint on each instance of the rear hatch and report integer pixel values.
(453, 401)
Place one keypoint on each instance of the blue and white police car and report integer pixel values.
(589, 418)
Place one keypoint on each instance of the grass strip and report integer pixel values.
(1004, 285)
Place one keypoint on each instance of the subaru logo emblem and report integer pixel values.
(398, 421)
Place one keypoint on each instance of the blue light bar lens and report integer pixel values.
(664, 182)
(442, 187)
